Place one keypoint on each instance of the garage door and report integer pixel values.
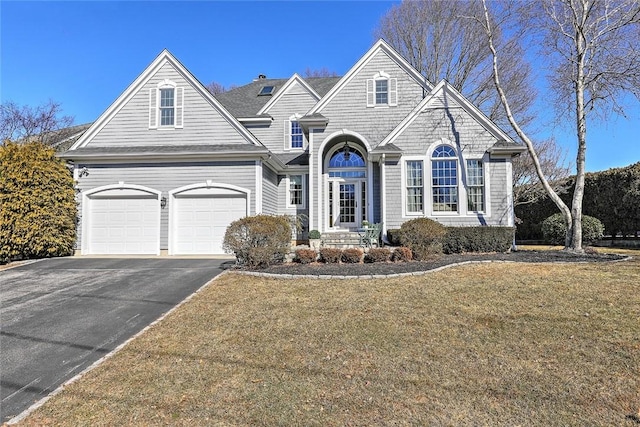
(201, 221)
(124, 225)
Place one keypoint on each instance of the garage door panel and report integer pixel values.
(201, 222)
(123, 225)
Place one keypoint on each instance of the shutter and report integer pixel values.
(179, 106)
(393, 92)
(153, 109)
(370, 93)
(287, 134)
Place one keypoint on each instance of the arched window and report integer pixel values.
(444, 179)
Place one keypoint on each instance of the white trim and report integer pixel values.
(207, 185)
(424, 105)
(138, 84)
(380, 45)
(284, 89)
(462, 193)
(313, 202)
(259, 187)
(403, 186)
(288, 190)
(85, 221)
(383, 193)
(509, 183)
(288, 136)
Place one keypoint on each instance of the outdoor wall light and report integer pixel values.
(163, 202)
(83, 172)
(346, 153)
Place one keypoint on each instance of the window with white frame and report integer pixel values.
(297, 139)
(166, 105)
(297, 194)
(382, 90)
(475, 186)
(444, 179)
(414, 186)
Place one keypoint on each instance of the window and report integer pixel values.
(415, 185)
(167, 115)
(266, 90)
(382, 90)
(296, 191)
(165, 105)
(296, 135)
(444, 179)
(475, 186)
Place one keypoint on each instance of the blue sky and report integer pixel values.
(84, 54)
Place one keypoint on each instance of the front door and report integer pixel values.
(347, 204)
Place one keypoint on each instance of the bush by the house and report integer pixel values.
(423, 236)
(330, 255)
(554, 229)
(377, 255)
(393, 236)
(351, 256)
(314, 234)
(305, 256)
(37, 196)
(477, 239)
(259, 241)
(401, 254)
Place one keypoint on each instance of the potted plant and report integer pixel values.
(314, 239)
(365, 224)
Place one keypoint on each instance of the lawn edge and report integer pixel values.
(24, 414)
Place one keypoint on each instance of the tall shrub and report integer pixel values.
(259, 241)
(423, 236)
(37, 203)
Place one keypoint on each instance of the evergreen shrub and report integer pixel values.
(351, 256)
(305, 256)
(478, 239)
(37, 203)
(401, 254)
(377, 255)
(554, 229)
(423, 236)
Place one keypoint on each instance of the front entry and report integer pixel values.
(347, 203)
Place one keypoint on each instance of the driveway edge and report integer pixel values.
(98, 362)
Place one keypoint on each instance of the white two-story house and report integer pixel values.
(168, 166)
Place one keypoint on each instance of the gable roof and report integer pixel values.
(293, 80)
(379, 46)
(445, 88)
(164, 57)
(244, 102)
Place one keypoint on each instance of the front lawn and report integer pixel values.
(486, 344)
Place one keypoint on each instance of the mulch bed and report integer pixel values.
(383, 268)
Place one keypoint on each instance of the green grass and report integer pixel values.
(489, 344)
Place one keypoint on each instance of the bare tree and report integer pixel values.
(216, 88)
(322, 72)
(526, 183)
(595, 58)
(25, 123)
(439, 40)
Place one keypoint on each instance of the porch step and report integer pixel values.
(341, 240)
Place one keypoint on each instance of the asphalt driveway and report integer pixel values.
(58, 316)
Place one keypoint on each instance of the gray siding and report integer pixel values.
(275, 137)
(166, 177)
(269, 191)
(203, 124)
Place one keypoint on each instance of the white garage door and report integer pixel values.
(201, 222)
(124, 225)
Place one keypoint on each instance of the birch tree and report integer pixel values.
(594, 56)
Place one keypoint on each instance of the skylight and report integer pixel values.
(266, 90)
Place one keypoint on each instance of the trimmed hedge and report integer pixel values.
(478, 239)
(554, 229)
(305, 256)
(259, 241)
(377, 255)
(401, 254)
(330, 255)
(37, 200)
(393, 236)
(423, 236)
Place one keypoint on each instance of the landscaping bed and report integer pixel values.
(435, 261)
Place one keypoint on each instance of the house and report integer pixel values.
(167, 167)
